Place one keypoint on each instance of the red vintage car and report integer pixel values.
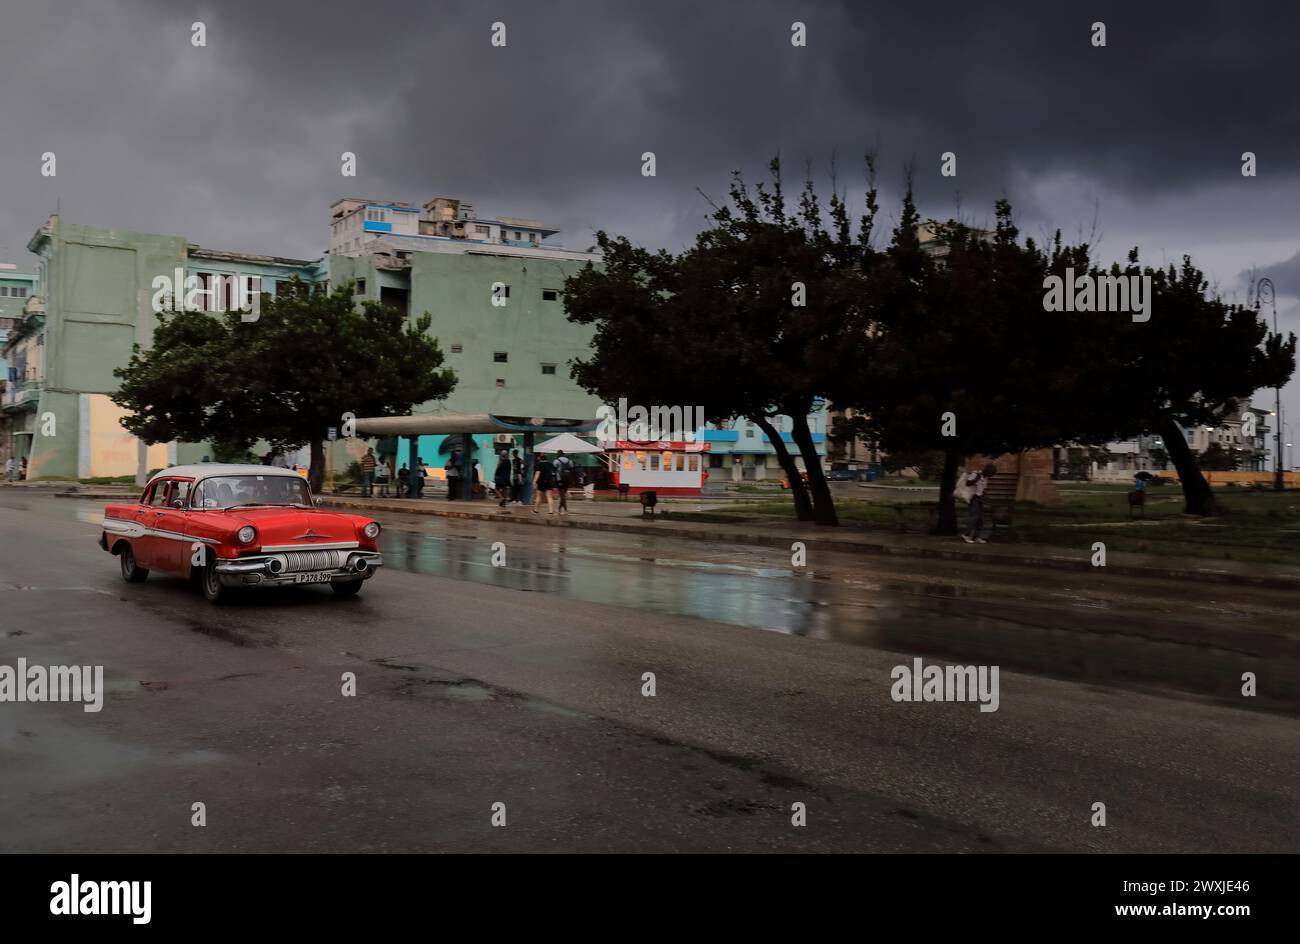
(235, 526)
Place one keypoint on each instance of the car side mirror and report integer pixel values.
(316, 501)
(178, 503)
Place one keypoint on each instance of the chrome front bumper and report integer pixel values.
(283, 570)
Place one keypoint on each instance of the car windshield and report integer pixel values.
(231, 491)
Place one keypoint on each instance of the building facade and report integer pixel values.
(495, 302)
(21, 351)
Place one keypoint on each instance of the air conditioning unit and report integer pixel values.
(503, 439)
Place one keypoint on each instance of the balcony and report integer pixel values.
(20, 395)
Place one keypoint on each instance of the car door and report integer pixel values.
(145, 546)
(170, 523)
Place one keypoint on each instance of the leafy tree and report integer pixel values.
(966, 361)
(751, 321)
(287, 376)
(1217, 459)
(1193, 363)
(926, 463)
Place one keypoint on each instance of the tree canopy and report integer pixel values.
(286, 377)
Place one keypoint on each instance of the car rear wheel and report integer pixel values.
(131, 571)
(349, 589)
(214, 591)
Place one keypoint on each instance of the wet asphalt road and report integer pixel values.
(521, 685)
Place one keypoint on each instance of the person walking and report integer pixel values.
(565, 477)
(368, 473)
(9, 469)
(543, 484)
(976, 482)
(383, 473)
(417, 478)
(516, 477)
(501, 479)
(403, 481)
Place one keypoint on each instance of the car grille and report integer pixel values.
(310, 560)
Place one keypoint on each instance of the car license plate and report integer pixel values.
(323, 577)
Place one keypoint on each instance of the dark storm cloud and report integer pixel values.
(237, 145)
(240, 141)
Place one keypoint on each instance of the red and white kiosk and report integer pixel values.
(667, 467)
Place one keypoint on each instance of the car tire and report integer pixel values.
(349, 589)
(131, 571)
(214, 591)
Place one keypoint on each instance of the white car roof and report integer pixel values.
(207, 469)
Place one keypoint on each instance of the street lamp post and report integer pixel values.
(1267, 283)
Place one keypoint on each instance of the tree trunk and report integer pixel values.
(823, 503)
(947, 522)
(803, 509)
(316, 473)
(1197, 496)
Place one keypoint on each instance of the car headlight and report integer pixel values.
(246, 534)
(371, 530)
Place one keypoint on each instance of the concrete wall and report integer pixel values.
(98, 304)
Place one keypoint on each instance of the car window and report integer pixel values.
(180, 493)
(156, 494)
(226, 491)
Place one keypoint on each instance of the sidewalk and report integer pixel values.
(625, 517)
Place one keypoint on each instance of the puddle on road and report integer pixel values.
(1063, 633)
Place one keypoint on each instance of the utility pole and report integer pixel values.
(1267, 283)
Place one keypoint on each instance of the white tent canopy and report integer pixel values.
(571, 444)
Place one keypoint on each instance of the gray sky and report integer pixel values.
(236, 145)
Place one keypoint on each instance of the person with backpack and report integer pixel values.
(543, 484)
(566, 477)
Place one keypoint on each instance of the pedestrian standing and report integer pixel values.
(501, 479)
(22, 471)
(976, 482)
(543, 484)
(452, 468)
(383, 473)
(368, 473)
(517, 477)
(403, 481)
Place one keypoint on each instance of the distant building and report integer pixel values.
(21, 347)
(741, 452)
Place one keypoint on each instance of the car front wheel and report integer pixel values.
(214, 591)
(131, 571)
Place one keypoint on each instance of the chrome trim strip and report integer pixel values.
(339, 546)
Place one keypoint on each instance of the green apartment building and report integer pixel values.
(492, 286)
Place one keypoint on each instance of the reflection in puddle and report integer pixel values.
(1066, 634)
